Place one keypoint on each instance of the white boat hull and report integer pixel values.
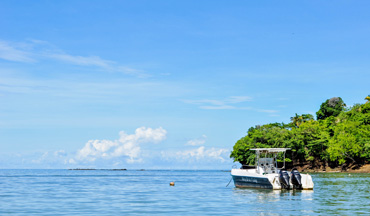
(250, 178)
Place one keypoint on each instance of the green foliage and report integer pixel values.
(297, 120)
(266, 136)
(344, 143)
(331, 107)
(339, 136)
(351, 139)
(315, 137)
(288, 160)
(367, 98)
(282, 160)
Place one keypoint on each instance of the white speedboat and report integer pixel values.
(266, 174)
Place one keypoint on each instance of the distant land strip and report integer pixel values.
(98, 169)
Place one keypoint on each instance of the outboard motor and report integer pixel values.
(296, 179)
(284, 179)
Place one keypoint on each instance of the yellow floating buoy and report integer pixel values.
(172, 183)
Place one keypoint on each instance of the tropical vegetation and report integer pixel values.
(339, 137)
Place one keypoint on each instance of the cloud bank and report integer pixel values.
(200, 154)
(196, 142)
(127, 146)
(128, 151)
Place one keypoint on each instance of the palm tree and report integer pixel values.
(296, 120)
(367, 98)
(307, 117)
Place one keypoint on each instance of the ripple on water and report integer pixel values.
(99, 192)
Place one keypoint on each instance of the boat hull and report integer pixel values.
(252, 179)
(252, 182)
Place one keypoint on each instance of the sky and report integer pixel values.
(167, 84)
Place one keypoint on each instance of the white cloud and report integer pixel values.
(197, 142)
(128, 151)
(238, 99)
(82, 60)
(41, 159)
(48, 159)
(220, 107)
(221, 104)
(230, 103)
(128, 145)
(11, 52)
(282, 106)
(272, 113)
(95, 149)
(200, 154)
(36, 50)
(267, 111)
(60, 153)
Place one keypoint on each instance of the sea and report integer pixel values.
(196, 192)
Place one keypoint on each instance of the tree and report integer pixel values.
(315, 137)
(331, 107)
(344, 145)
(266, 136)
(367, 98)
(241, 151)
(350, 142)
(297, 120)
(339, 136)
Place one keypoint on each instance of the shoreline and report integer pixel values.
(363, 169)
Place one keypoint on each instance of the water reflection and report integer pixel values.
(334, 194)
(265, 201)
(275, 195)
(342, 193)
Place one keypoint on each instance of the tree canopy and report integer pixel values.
(367, 98)
(337, 137)
(331, 107)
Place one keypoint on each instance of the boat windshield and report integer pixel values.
(268, 156)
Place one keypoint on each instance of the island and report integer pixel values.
(338, 140)
(98, 169)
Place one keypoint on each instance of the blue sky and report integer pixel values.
(167, 84)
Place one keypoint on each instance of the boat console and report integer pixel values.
(267, 165)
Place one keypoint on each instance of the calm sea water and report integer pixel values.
(101, 192)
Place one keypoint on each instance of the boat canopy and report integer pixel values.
(270, 150)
